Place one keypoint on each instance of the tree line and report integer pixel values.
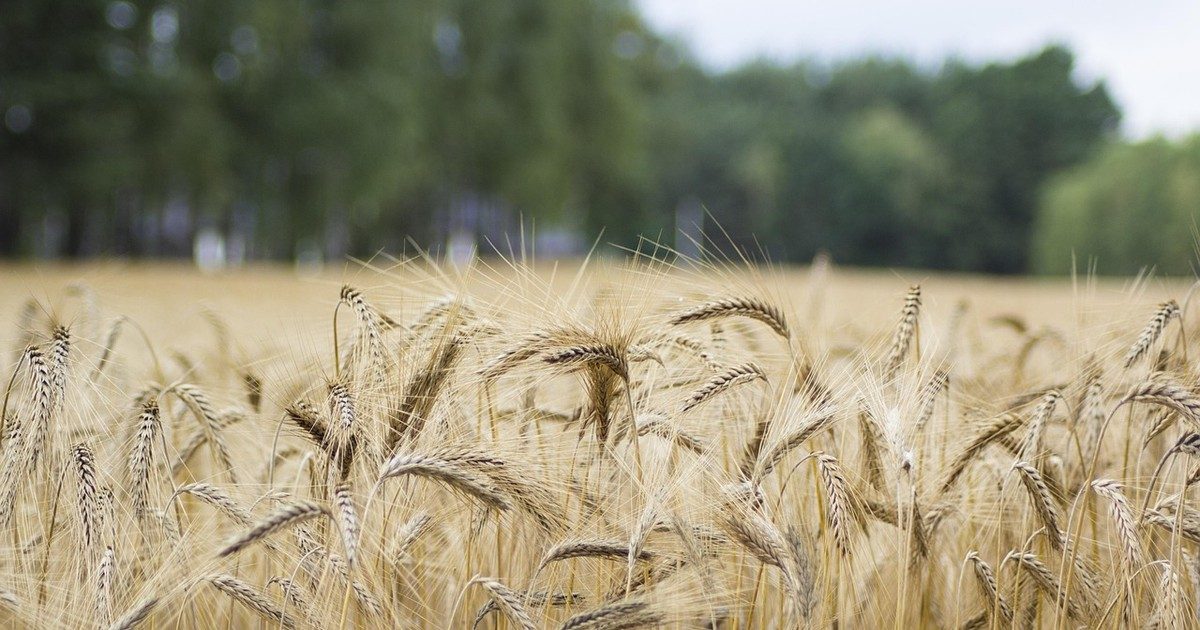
(321, 128)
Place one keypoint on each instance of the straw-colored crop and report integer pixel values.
(654, 446)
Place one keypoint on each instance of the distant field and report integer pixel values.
(605, 447)
(259, 300)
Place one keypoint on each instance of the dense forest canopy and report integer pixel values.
(321, 129)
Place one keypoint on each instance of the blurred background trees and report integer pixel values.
(1132, 203)
(317, 129)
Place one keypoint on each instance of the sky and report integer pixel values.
(1147, 52)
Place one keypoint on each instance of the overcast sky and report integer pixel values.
(1148, 52)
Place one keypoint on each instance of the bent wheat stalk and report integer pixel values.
(246, 595)
(1166, 312)
(281, 518)
(743, 307)
(730, 378)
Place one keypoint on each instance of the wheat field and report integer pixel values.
(404, 444)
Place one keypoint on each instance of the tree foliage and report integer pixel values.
(297, 129)
(1134, 206)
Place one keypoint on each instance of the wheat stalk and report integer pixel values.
(726, 380)
(507, 601)
(752, 308)
(764, 541)
(1166, 312)
(871, 438)
(370, 325)
(591, 548)
(816, 424)
(210, 420)
(902, 337)
(408, 534)
(342, 431)
(422, 391)
(1031, 447)
(218, 498)
(60, 356)
(1043, 503)
(985, 435)
(839, 511)
(347, 519)
(457, 474)
(285, 516)
(938, 383)
(368, 601)
(1122, 515)
(104, 586)
(1170, 612)
(87, 503)
(110, 342)
(1188, 525)
(142, 455)
(1047, 581)
(136, 615)
(537, 599)
(24, 447)
(251, 598)
(295, 594)
(1167, 394)
(529, 347)
(630, 614)
(986, 579)
(200, 438)
(607, 355)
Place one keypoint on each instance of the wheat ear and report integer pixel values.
(1123, 519)
(88, 502)
(839, 511)
(1162, 316)
(726, 380)
(590, 548)
(136, 615)
(142, 454)
(1047, 581)
(507, 601)
(456, 474)
(986, 579)
(995, 429)
(347, 519)
(282, 517)
(251, 598)
(903, 336)
(630, 614)
(1043, 503)
(752, 308)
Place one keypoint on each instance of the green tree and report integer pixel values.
(1133, 206)
(895, 180)
(1006, 128)
(67, 120)
(346, 127)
